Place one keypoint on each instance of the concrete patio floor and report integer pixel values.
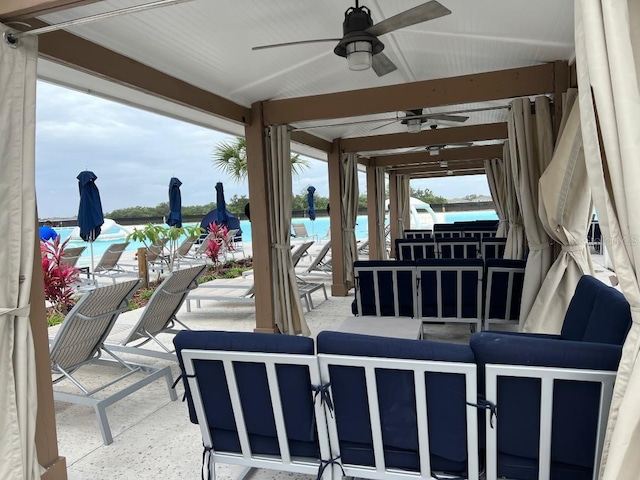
(153, 437)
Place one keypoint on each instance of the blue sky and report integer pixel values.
(134, 153)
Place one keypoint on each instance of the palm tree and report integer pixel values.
(231, 158)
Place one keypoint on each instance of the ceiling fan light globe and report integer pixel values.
(359, 55)
(414, 125)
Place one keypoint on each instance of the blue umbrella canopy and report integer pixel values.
(175, 203)
(221, 215)
(90, 216)
(310, 200)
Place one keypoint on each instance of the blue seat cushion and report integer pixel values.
(396, 395)
(294, 383)
(575, 404)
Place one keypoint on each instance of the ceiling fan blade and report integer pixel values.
(427, 11)
(301, 42)
(385, 124)
(382, 64)
(446, 118)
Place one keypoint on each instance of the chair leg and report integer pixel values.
(100, 409)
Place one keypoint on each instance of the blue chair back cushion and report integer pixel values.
(421, 248)
(385, 298)
(294, 383)
(575, 404)
(580, 308)
(499, 284)
(396, 395)
(610, 319)
(428, 284)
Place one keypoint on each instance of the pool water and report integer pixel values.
(318, 227)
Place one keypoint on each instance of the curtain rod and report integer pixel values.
(12, 38)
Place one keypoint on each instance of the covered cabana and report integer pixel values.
(501, 65)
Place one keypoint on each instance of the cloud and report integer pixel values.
(134, 153)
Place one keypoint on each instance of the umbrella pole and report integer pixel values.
(93, 273)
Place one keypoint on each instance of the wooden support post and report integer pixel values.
(393, 212)
(375, 249)
(260, 221)
(562, 80)
(339, 287)
(46, 436)
(143, 270)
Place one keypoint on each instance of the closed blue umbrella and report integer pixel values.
(90, 216)
(310, 200)
(175, 203)
(221, 215)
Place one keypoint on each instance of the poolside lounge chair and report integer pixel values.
(108, 265)
(197, 256)
(159, 316)
(321, 263)
(300, 232)
(80, 341)
(71, 255)
(243, 293)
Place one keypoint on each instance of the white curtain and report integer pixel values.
(380, 201)
(18, 394)
(495, 178)
(288, 315)
(350, 197)
(608, 62)
(402, 190)
(531, 144)
(565, 209)
(514, 249)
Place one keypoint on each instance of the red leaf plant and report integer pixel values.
(219, 242)
(59, 277)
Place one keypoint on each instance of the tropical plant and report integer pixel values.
(59, 277)
(152, 234)
(219, 242)
(231, 158)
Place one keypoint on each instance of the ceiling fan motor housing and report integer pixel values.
(356, 21)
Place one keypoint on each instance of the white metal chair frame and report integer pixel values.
(285, 461)
(395, 270)
(512, 271)
(459, 270)
(419, 368)
(458, 242)
(418, 245)
(547, 376)
(326, 427)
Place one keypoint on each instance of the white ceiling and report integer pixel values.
(208, 43)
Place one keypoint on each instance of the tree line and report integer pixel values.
(236, 205)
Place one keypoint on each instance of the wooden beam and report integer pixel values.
(499, 85)
(21, 9)
(311, 141)
(470, 153)
(75, 52)
(444, 136)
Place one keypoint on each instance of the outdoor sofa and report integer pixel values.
(373, 407)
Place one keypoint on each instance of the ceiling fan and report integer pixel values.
(414, 119)
(360, 44)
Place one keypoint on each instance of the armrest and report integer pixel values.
(549, 336)
(544, 352)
